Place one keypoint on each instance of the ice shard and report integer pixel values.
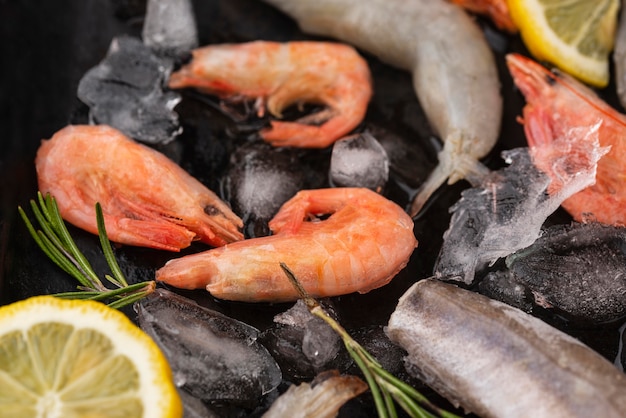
(507, 211)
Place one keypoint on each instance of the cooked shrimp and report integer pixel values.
(556, 103)
(362, 245)
(497, 10)
(454, 71)
(282, 74)
(147, 200)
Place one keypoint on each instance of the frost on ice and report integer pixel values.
(506, 212)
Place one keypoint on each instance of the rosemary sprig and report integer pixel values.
(385, 387)
(55, 241)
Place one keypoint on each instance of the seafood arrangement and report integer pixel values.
(424, 34)
(238, 197)
(557, 103)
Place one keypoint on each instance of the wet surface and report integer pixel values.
(53, 44)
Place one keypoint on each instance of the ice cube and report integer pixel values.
(579, 269)
(126, 91)
(320, 343)
(260, 179)
(359, 161)
(302, 343)
(212, 356)
(170, 27)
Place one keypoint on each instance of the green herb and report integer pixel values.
(55, 241)
(385, 387)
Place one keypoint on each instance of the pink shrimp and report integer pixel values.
(497, 10)
(556, 103)
(362, 245)
(147, 200)
(282, 74)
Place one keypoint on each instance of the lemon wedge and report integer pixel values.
(577, 36)
(76, 358)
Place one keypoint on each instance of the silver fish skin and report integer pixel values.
(497, 361)
(619, 56)
(454, 72)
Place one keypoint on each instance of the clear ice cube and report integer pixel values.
(170, 27)
(126, 91)
(359, 161)
(213, 357)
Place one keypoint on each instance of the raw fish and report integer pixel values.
(497, 361)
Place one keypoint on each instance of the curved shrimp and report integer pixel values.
(147, 200)
(497, 10)
(556, 103)
(282, 74)
(454, 71)
(362, 245)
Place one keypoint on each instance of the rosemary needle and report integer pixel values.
(385, 387)
(56, 242)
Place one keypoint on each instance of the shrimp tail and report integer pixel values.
(454, 165)
(435, 180)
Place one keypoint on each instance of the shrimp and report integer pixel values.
(147, 200)
(556, 103)
(454, 71)
(497, 10)
(282, 74)
(362, 245)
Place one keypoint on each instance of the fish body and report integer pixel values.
(497, 361)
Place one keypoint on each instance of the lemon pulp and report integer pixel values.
(575, 35)
(71, 359)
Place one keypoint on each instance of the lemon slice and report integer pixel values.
(73, 358)
(575, 35)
